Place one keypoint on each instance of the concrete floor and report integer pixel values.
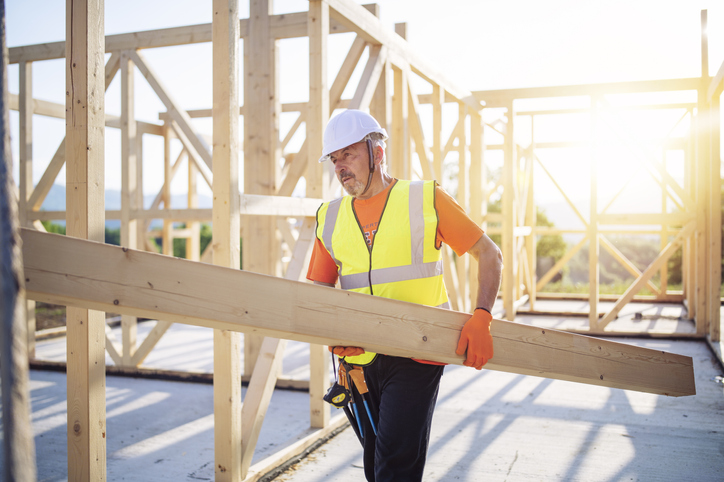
(488, 425)
(495, 426)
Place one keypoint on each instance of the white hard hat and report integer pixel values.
(347, 128)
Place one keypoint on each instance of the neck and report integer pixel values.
(380, 181)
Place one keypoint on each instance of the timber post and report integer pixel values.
(85, 219)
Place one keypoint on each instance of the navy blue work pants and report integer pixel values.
(402, 396)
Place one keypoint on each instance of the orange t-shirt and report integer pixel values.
(454, 227)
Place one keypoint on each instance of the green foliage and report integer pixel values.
(179, 244)
(615, 288)
(205, 236)
(52, 227)
(548, 246)
(112, 236)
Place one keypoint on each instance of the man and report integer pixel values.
(384, 239)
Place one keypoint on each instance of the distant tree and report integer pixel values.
(551, 245)
(673, 268)
(205, 236)
(113, 236)
(52, 227)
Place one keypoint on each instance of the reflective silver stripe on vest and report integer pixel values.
(329, 222)
(391, 275)
(445, 305)
(417, 221)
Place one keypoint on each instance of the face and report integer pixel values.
(351, 165)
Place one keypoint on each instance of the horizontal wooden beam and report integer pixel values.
(664, 219)
(499, 98)
(166, 37)
(251, 205)
(291, 25)
(53, 109)
(256, 204)
(75, 272)
(202, 113)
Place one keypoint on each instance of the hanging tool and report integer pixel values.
(356, 373)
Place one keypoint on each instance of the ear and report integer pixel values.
(379, 153)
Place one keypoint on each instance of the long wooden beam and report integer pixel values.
(290, 25)
(64, 270)
(84, 179)
(498, 98)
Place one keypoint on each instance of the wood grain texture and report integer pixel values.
(152, 285)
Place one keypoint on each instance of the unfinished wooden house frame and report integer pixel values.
(690, 207)
(389, 88)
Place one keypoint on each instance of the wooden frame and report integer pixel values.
(696, 201)
(385, 88)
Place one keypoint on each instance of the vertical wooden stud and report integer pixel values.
(702, 196)
(438, 100)
(262, 151)
(85, 213)
(225, 218)
(664, 272)
(531, 220)
(476, 191)
(381, 106)
(25, 151)
(318, 110)
(399, 139)
(141, 228)
(715, 231)
(25, 178)
(688, 261)
(167, 236)
(702, 192)
(129, 179)
(509, 215)
(593, 250)
(193, 242)
(317, 182)
(463, 262)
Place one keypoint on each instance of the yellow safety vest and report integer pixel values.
(403, 262)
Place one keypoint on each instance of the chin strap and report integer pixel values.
(372, 165)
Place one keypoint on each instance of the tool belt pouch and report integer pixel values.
(338, 396)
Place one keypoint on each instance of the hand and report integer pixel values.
(347, 350)
(475, 337)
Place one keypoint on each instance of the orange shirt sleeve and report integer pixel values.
(321, 265)
(454, 228)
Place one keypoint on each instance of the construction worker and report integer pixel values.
(384, 239)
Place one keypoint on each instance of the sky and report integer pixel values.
(479, 44)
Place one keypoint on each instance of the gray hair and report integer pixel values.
(379, 140)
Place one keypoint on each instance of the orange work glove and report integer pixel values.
(347, 350)
(475, 337)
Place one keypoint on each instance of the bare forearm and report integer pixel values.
(490, 271)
